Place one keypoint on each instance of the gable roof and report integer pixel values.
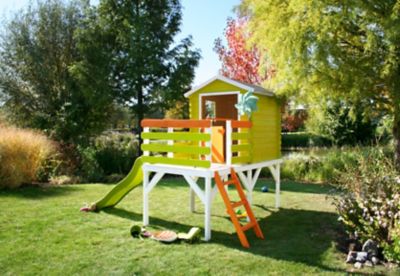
(250, 87)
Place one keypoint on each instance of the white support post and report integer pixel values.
(192, 201)
(192, 196)
(278, 186)
(228, 142)
(146, 141)
(243, 178)
(153, 182)
(207, 208)
(276, 173)
(170, 143)
(249, 188)
(255, 178)
(145, 197)
(193, 185)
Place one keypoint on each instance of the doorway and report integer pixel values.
(220, 107)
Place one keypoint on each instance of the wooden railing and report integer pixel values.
(188, 142)
(238, 147)
(177, 142)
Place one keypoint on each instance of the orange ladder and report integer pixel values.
(230, 206)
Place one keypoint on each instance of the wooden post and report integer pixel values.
(170, 143)
(207, 208)
(146, 141)
(228, 142)
(145, 197)
(192, 203)
(278, 186)
(249, 186)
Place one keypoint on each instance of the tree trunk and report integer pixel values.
(139, 117)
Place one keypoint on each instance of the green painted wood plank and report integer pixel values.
(240, 159)
(176, 161)
(175, 148)
(241, 147)
(187, 136)
(240, 135)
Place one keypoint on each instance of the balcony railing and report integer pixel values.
(188, 142)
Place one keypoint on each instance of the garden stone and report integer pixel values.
(375, 260)
(362, 257)
(358, 265)
(371, 248)
(351, 257)
(369, 263)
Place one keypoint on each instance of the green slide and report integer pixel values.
(131, 181)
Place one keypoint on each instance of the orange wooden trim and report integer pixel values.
(245, 124)
(175, 123)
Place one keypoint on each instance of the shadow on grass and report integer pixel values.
(289, 186)
(292, 235)
(37, 192)
(297, 187)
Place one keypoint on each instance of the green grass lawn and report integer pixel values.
(43, 232)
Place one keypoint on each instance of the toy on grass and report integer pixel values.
(194, 235)
(166, 236)
(240, 214)
(264, 189)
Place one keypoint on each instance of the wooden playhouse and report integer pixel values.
(214, 140)
(216, 99)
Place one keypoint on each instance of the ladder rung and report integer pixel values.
(237, 204)
(229, 182)
(248, 226)
(230, 205)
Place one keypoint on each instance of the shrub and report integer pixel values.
(303, 140)
(369, 204)
(116, 152)
(110, 153)
(341, 123)
(392, 249)
(64, 179)
(319, 165)
(26, 156)
(89, 168)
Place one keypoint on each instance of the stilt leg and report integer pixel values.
(192, 205)
(207, 207)
(145, 198)
(277, 186)
(249, 189)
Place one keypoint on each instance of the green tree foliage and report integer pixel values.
(179, 111)
(148, 70)
(38, 79)
(341, 49)
(339, 124)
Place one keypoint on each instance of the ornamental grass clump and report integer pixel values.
(369, 204)
(24, 155)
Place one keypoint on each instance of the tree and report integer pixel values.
(179, 111)
(148, 69)
(334, 122)
(346, 50)
(239, 61)
(38, 51)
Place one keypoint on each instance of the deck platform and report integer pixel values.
(248, 174)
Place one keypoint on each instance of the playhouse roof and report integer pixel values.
(250, 87)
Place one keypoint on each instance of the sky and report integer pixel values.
(205, 20)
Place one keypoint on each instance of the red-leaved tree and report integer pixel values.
(239, 61)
